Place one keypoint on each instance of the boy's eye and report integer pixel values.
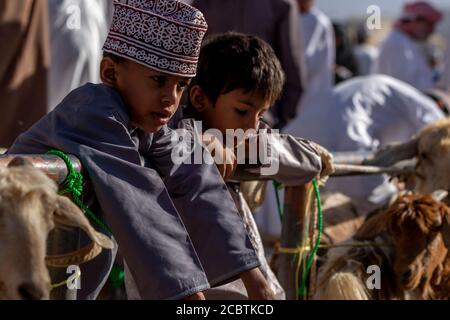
(241, 112)
(158, 79)
(183, 84)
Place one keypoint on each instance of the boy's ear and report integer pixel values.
(198, 98)
(108, 72)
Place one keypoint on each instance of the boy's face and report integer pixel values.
(233, 110)
(152, 97)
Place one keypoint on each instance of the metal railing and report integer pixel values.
(294, 224)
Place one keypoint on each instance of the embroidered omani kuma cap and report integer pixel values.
(165, 35)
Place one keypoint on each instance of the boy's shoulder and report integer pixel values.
(93, 99)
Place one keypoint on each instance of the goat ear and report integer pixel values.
(446, 230)
(67, 213)
(439, 195)
(371, 228)
(20, 162)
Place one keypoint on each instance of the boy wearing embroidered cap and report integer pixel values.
(176, 239)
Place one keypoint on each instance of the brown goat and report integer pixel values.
(417, 261)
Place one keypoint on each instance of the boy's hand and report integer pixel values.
(248, 151)
(327, 162)
(256, 285)
(196, 297)
(224, 157)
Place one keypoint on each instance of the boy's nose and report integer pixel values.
(253, 123)
(170, 96)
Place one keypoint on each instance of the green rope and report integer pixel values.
(74, 185)
(116, 277)
(278, 186)
(303, 291)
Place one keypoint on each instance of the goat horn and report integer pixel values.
(68, 214)
(83, 255)
(392, 154)
(342, 170)
(75, 258)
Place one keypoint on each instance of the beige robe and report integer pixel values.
(23, 66)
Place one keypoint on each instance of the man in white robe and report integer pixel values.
(319, 47)
(403, 55)
(366, 54)
(78, 29)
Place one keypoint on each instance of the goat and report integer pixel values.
(417, 231)
(431, 147)
(30, 207)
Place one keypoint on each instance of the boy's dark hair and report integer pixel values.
(113, 57)
(233, 61)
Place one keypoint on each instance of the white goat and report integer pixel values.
(29, 209)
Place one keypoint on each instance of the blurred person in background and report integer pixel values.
(444, 81)
(441, 97)
(366, 54)
(23, 66)
(441, 94)
(78, 29)
(404, 54)
(276, 22)
(319, 51)
(346, 64)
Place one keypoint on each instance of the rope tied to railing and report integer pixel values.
(305, 247)
(73, 185)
